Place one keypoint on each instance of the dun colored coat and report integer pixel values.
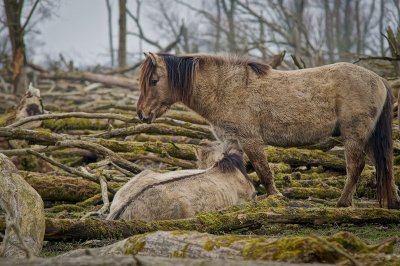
(250, 104)
(180, 194)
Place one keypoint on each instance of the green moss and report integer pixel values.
(180, 253)
(68, 207)
(74, 123)
(6, 119)
(302, 157)
(135, 244)
(306, 249)
(220, 241)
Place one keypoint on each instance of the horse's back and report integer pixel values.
(182, 198)
(302, 107)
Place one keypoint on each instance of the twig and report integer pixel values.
(106, 153)
(104, 195)
(19, 152)
(297, 63)
(68, 169)
(387, 58)
(154, 129)
(6, 240)
(77, 115)
(322, 201)
(338, 250)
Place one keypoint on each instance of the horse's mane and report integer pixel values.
(233, 159)
(181, 70)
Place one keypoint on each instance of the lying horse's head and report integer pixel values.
(164, 79)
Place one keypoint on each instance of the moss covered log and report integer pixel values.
(124, 260)
(225, 221)
(181, 151)
(302, 157)
(56, 188)
(155, 129)
(340, 248)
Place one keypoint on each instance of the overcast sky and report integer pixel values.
(80, 32)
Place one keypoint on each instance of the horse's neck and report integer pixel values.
(205, 97)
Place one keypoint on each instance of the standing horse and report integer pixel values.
(250, 104)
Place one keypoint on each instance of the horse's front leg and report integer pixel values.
(254, 149)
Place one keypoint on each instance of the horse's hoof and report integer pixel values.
(394, 204)
(344, 204)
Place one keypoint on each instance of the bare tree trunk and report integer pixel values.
(229, 12)
(358, 27)
(110, 34)
(218, 27)
(381, 30)
(329, 31)
(122, 34)
(13, 10)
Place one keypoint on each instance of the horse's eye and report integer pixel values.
(153, 82)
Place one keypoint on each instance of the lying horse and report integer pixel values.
(180, 194)
(251, 105)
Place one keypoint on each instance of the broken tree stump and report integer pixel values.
(24, 209)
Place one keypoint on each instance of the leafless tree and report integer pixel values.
(122, 34)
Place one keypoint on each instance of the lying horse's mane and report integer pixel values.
(233, 159)
(181, 70)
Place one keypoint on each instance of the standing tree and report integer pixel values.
(13, 9)
(110, 34)
(122, 34)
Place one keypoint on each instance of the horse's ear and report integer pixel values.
(146, 55)
(156, 59)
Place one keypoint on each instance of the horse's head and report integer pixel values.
(155, 96)
(164, 79)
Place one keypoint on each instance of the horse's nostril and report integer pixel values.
(140, 115)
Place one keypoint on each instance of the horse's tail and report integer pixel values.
(383, 148)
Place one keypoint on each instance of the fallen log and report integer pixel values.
(227, 220)
(125, 260)
(56, 188)
(88, 76)
(302, 157)
(153, 129)
(24, 214)
(340, 248)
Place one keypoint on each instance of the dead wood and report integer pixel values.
(338, 248)
(276, 60)
(303, 157)
(76, 115)
(24, 212)
(153, 129)
(227, 220)
(125, 260)
(60, 188)
(88, 76)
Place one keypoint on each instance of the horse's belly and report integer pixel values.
(297, 135)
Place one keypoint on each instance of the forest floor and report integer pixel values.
(310, 179)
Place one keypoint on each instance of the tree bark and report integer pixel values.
(227, 220)
(110, 34)
(125, 260)
(87, 76)
(122, 34)
(338, 248)
(13, 10)
(24, 209)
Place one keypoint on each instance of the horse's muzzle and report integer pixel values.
(144, 119)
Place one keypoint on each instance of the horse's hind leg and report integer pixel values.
(355, 163)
